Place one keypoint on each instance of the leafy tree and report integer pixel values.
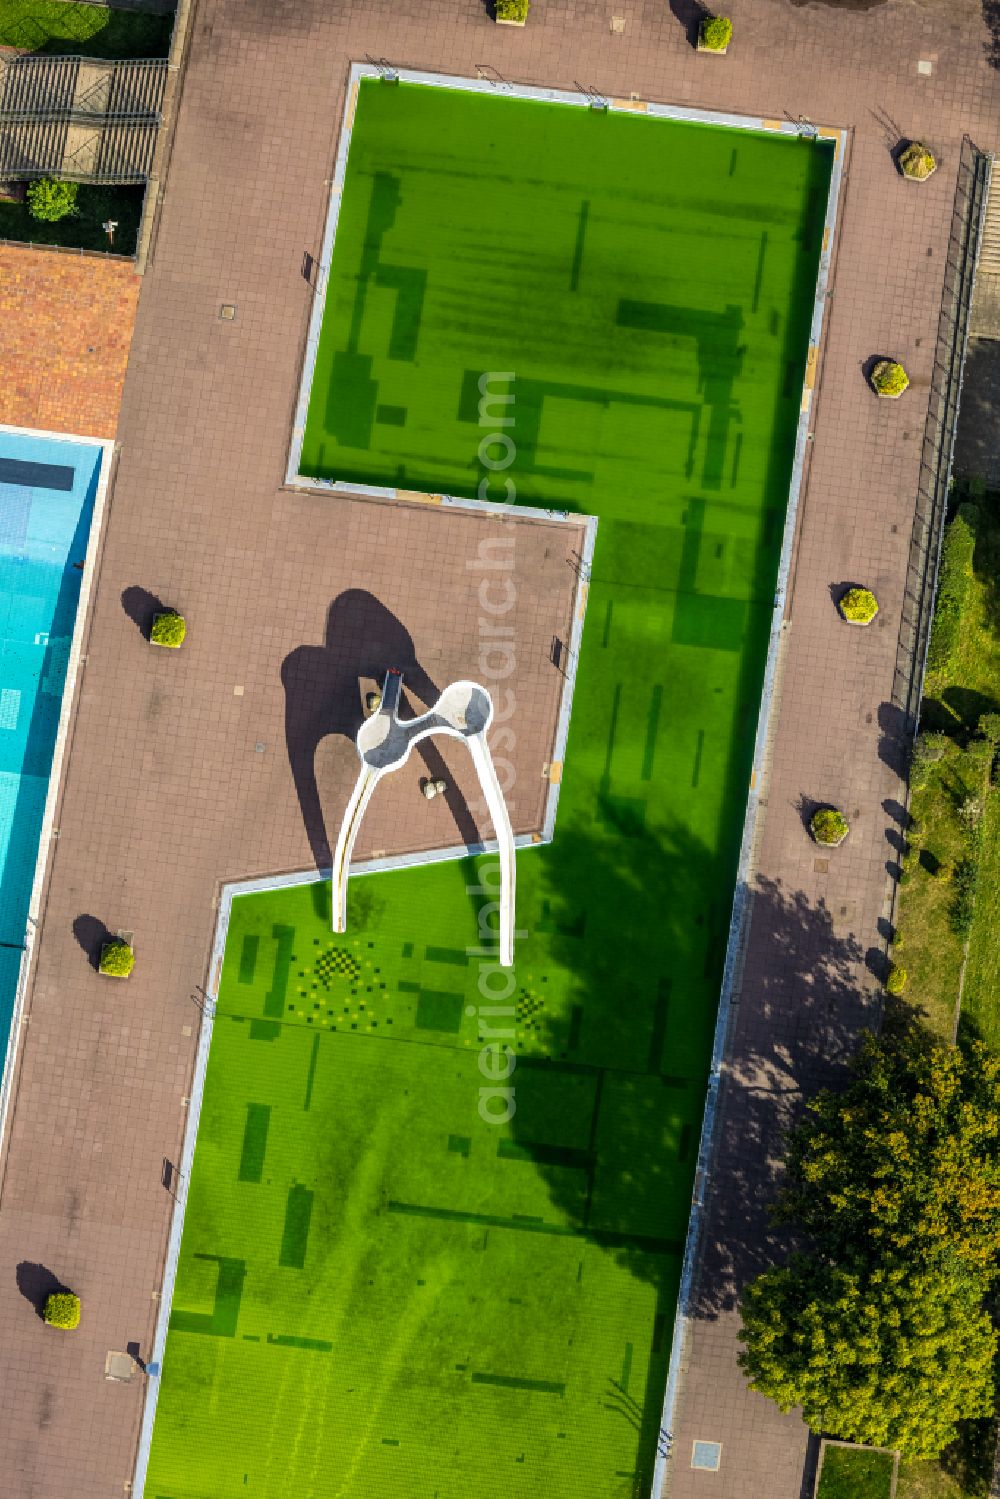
(894, 1356)
(905, 1162)
(878, 1330)
(50, 201)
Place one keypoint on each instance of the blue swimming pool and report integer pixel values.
(47, 493)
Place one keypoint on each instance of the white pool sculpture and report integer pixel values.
(464, 711)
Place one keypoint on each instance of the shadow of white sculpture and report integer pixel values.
(464, 711)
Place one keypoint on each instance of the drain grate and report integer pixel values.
(707, 1456)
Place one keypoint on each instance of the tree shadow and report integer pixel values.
(897, 842)
(895, 744)
(142, 607)
(635, 1043)
(900, 149)
(859, 5)
(868, 365)
(967, 706)
(969, 1461)
(991, 19)
(897, 812)
(324, 687)
(878, 963)
(91, 933)
(838, 590)
(982, 512)
(891, 131)
(798, 1026)
(690, 14)
(807, 807)
(36, 1284)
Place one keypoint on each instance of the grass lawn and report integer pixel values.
(83, 229)
(850, 1473)
(961, 686)
(379, 1292)
(63, 29)
(964, 1472)
(963, 683)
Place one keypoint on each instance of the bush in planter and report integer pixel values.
(917, 162)
(896, 982)
(715, 33)
(62, 1309)
(827, 825)
(168, 629)
(889, 378)
(49, 200)
(117, 959)
(859, 605)
(512, 10)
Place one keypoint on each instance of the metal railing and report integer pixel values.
(936, 458)
(80, 119)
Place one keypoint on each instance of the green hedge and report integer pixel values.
(117, 959)
(49, 200)
(716, 33)
(62, 1309)
(169, 629)
(828, 825)
(917, 162)
(512, 10)
(889, 378)
(859, 605)
(954, 582)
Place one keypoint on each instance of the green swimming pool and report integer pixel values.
(379, 1290)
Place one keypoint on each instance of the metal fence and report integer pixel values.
(80, 119)
(939, 432)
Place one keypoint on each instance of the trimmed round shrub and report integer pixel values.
(896, 982)
(117, 959)
(859, 605)
(512, 10)
(827, 825)
(917, 162)
(716, 33)
(169, 629)
(62, 1309)
(49, 200)
(889, 378)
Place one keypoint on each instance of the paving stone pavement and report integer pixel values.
(65, 328)
(166, 793)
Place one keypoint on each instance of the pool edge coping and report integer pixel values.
(739, 919)
(57, 770)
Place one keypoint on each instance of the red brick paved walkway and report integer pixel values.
(166, 793)
(65, 328)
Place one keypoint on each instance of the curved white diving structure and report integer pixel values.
(465, 711)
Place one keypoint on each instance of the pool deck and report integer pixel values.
(166, 792)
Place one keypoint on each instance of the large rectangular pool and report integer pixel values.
(48, 489)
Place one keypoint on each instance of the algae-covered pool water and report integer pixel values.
(380, 1291)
